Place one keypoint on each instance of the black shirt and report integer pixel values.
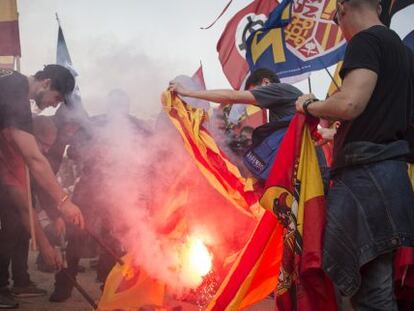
(388, 113)
(14, 102)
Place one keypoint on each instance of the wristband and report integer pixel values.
(306, 103)
(62, 201)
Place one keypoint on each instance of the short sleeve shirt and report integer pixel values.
(14, 113)
(388, 113)
(279, 98)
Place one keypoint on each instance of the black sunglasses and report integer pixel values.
(335, 17)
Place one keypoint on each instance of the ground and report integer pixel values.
(87, 280)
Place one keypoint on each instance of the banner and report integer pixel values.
(9, 29)
(299, 37)
(232, 44)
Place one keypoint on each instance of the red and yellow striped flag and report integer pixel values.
(129, 288)
(284, 252)
(223, 175)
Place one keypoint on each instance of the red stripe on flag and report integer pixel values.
(9, 39)
(249, 259)
(219, 165)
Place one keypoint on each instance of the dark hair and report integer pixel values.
(62, 79)
(257, 76)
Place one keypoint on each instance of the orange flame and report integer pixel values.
(197, 261)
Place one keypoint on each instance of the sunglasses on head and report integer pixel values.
(335, 17)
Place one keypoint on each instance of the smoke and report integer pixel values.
(157, 201)
(122, 65)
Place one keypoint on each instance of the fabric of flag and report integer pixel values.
(212, 162)
(62, 53)
(198, 77)
(284, 252)
(390, 7)
(75, 108)
(404, 268)
(9, 29)
(232, 44)
(130, 288)
(299, 37)
(409, 40)
(7, 62)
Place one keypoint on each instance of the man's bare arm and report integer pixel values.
(349, 102)
(42, 172)
(224, 97)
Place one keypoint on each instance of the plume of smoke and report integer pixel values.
(156, 198)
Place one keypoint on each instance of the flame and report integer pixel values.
(197, 261)
(199, 257)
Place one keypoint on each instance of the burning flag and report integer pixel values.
(284, 252)
(129, 288)
(212, 162)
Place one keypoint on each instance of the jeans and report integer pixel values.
(377, 286)
(369, 213)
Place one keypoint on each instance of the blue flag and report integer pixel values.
(75, 108)
(409, 40)
(298, 37)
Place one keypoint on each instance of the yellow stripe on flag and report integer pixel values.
(332, 87)
(7, 61)
(130, 288)
(309, 174)
(8, 10)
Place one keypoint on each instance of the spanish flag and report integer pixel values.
(9, 29)
(284, 252)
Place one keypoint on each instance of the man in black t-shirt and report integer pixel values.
(370, 205)
(263, 89)
(18, 149)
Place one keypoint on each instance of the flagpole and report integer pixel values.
(309, 85)
(57, 18)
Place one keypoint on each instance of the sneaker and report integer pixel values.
(6, 300)
(28, 291)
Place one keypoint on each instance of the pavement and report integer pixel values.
(87, 280)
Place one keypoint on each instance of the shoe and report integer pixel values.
(63, 288)
(28, 291)
(6, 300)
(60, 294)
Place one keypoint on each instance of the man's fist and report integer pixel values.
(176, 87)
(72, 213)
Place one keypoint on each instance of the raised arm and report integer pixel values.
(224, 97)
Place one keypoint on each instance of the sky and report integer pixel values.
(137, 45)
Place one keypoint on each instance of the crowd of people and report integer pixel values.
(369, 196)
